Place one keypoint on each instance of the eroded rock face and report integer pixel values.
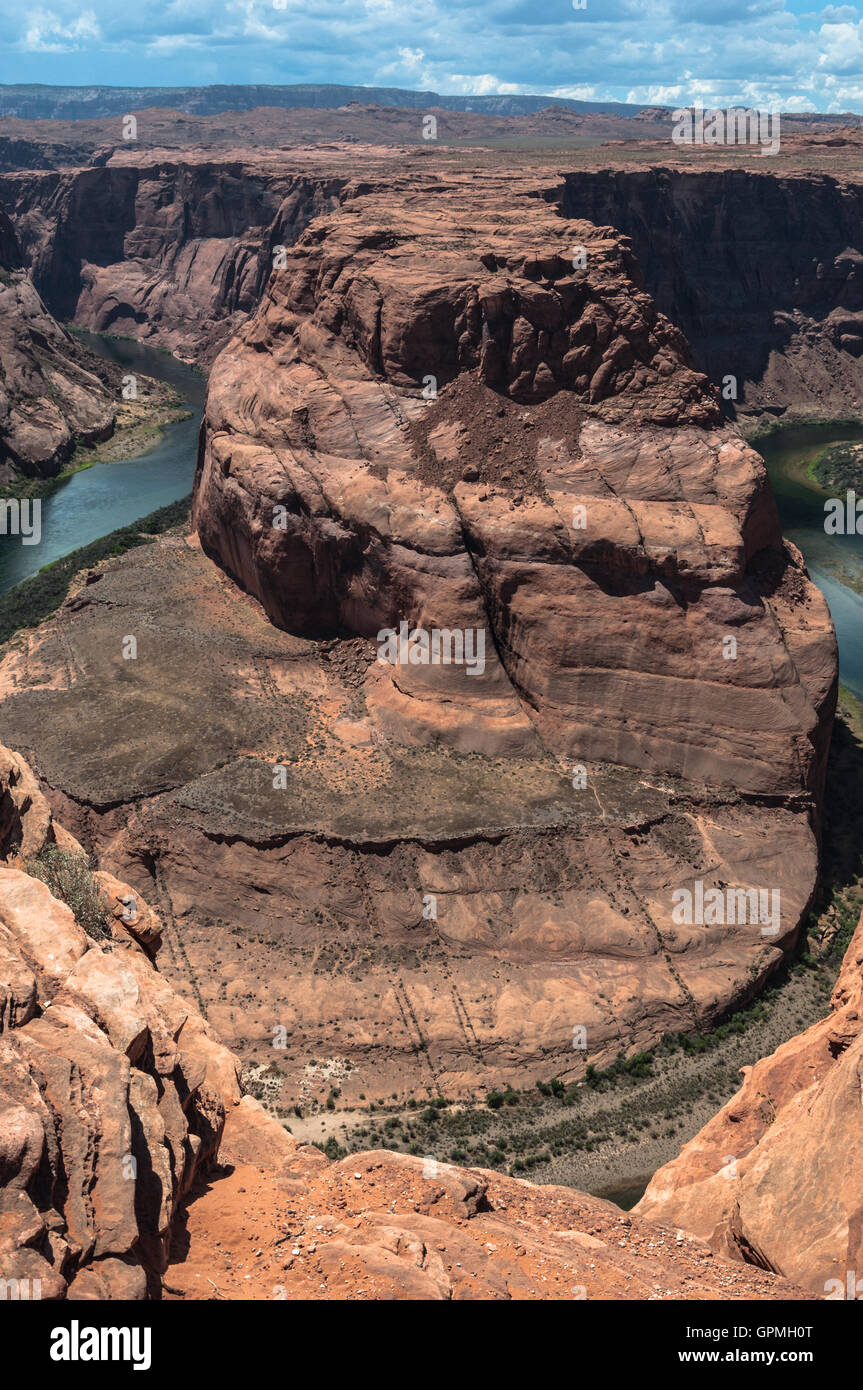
(775, 1177)
(10, 251)
(49, 396)
(571, 490)
(175, 251)
(113, 1092)
(763, 273)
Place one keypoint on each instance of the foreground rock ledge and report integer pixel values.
(776, 1177)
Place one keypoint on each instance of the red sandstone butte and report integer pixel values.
(609, 635)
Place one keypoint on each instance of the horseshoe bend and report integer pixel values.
(333, 499)
(470, 738)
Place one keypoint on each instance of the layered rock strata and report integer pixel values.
(423, 875)
(166, 249)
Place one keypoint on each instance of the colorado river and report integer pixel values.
(834, 562)
(102, 498)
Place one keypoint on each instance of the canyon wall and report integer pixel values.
(171, 250)
(10, 251)
(763, 272)
(51, 396)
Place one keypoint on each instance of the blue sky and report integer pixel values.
(665, 51)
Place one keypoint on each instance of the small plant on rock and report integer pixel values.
(70, 878)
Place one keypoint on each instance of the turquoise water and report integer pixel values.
(109, 495)
(834, 562)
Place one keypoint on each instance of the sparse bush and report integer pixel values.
(70, 878)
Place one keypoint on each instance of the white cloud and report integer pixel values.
(46, 32)
(477, 84)
(841, 47)
(647, 52)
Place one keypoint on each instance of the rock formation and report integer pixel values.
(113, 1091)
(174, 250)
(50, 396)
(774, 1178)
(487, 859)
(571, 489)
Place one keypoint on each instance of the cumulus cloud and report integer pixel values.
(723, 52)
(48, 32)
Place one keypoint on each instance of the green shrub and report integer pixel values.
(70, 878)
